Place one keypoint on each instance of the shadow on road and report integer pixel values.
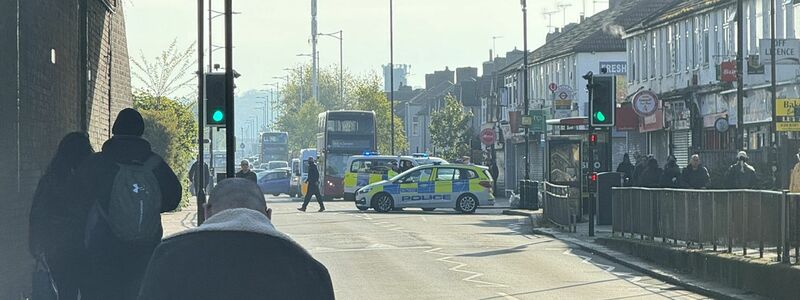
(511, 250)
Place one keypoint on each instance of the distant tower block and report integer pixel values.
(401, 73)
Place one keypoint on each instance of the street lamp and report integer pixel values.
(391, 70)
(525, 77)
(277, 86)
(341, 66)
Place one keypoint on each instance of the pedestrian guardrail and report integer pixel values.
(734, 220)
(560, 207)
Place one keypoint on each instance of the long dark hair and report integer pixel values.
(72, 150)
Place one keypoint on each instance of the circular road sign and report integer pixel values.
(721, 124)
(552, 86)
(563, 95)
(645, 103)
(241, 145)
(597, 165)
(488, 136)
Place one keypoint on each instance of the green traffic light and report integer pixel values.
(600, 116)
(217, 116)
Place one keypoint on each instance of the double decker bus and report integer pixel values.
(342, 134)
(274, 146)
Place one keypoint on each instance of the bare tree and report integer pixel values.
(167, 75)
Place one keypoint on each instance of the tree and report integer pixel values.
(450, 129)
(301, 125)
(367, 95)
(171, 129)
(168, 75)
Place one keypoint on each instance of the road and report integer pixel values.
(445, 255)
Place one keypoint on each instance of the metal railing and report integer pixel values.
(734, 220)
(560, 207)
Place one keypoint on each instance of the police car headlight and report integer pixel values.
(364, 190)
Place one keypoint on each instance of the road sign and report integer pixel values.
(552, 86)
(539, 119)
(241, 145)
(488, 136)
(645, 103)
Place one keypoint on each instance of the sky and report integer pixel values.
(429, 35)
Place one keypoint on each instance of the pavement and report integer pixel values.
(442, 254)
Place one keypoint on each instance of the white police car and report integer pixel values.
(460, 187)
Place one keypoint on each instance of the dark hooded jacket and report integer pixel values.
(235, 254)
(651, 175)
(313, 174)
(117, 266)
(626, 168)
(695, 178)
(670, 177)
(741, 175)
(641, 164)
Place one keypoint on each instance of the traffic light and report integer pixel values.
(592, 185)
(603, 104)
(592, 139)
(215, 100)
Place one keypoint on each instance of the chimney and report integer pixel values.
(582, 18)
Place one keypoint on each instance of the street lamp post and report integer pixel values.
(341, 65)
(391, 70)
(525, 85)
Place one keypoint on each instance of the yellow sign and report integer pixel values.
(788, 126)
(785, 107)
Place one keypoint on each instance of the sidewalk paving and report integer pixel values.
(180, 220)
(582, 240)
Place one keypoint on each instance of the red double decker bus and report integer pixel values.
(342, 134)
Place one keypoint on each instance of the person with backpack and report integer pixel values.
(127, 187)
(56, 224)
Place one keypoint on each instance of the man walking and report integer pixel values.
(235, 254)
(695, 175)
(126, 187)
(313, 186)
(195, 173)
(245, 172)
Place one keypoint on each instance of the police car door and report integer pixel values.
(444, 186)
(416, 188)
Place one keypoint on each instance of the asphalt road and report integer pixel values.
(444, 255)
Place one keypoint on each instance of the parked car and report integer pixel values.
(275, 164)
(274, 182)
(294, 184)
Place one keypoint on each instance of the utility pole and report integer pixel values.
(740, 75)
(391, 69)
(314, 55)
(200, 179)
(230, 142)
(525, 90)
(776, 136)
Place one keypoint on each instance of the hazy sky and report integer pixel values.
(428, 34)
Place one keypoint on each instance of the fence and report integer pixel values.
(560, 206)
(735, 220)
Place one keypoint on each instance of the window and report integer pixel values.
(645, 57)
(445, 174)
(696, 48)
(653, 53)
(689, 46)
(417, 176)
(632, 66)
(676, 46)
(706, 44)
(465, 174)
(415, 126)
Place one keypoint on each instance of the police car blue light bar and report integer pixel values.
(370, 153)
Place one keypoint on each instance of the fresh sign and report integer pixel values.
(614, 67)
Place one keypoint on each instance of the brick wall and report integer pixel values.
(51, 104)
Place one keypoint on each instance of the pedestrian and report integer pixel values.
(794, 179)
(651, 175)
(466, 160)
(56, 220)
(695, 175)
(641, 164)
(626, 168)
(195, 173)
(245, 171)
(313, 186)
(127, 187)
(741, 175)
(670, 177)
(405, 165)
(235, 254)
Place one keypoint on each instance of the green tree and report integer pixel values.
(171, 129)
(368, 95)
(450, 130)
(301, 125)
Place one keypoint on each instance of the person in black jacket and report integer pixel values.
(235, 254)
(641, 164)
(195, 173)
(56, 224)
(626, 168)
(245, 172)
(670, 177)
(651, 174)
(117, 266)
(741, 175)
(695, 175)
(313, 186)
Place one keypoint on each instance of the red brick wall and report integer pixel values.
(47, 100)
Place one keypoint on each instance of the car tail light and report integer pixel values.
(486, 184)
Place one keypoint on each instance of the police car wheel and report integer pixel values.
(467, 203)
(428, 209)
(383, 202)
(276, 195)
(362, 208)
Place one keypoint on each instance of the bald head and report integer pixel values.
(236, 193)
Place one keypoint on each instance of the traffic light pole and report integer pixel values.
(230, 143)
(200, 179)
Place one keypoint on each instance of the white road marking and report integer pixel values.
(507, 296)
(329, 250)
(610, 269)
(458, 268)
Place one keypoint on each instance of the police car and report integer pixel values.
(460, 187)
(370, 168)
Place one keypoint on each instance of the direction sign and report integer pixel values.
(488, 136)
(552, 86)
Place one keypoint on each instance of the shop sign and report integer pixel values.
(652, 122)
(786, 113)
(728, 69)
(787, 51)
(614, 67)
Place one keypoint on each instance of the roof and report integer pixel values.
(439, 90)
(680, 9)
(601, 32)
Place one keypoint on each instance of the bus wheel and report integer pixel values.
(383, 202)
(428, 209)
